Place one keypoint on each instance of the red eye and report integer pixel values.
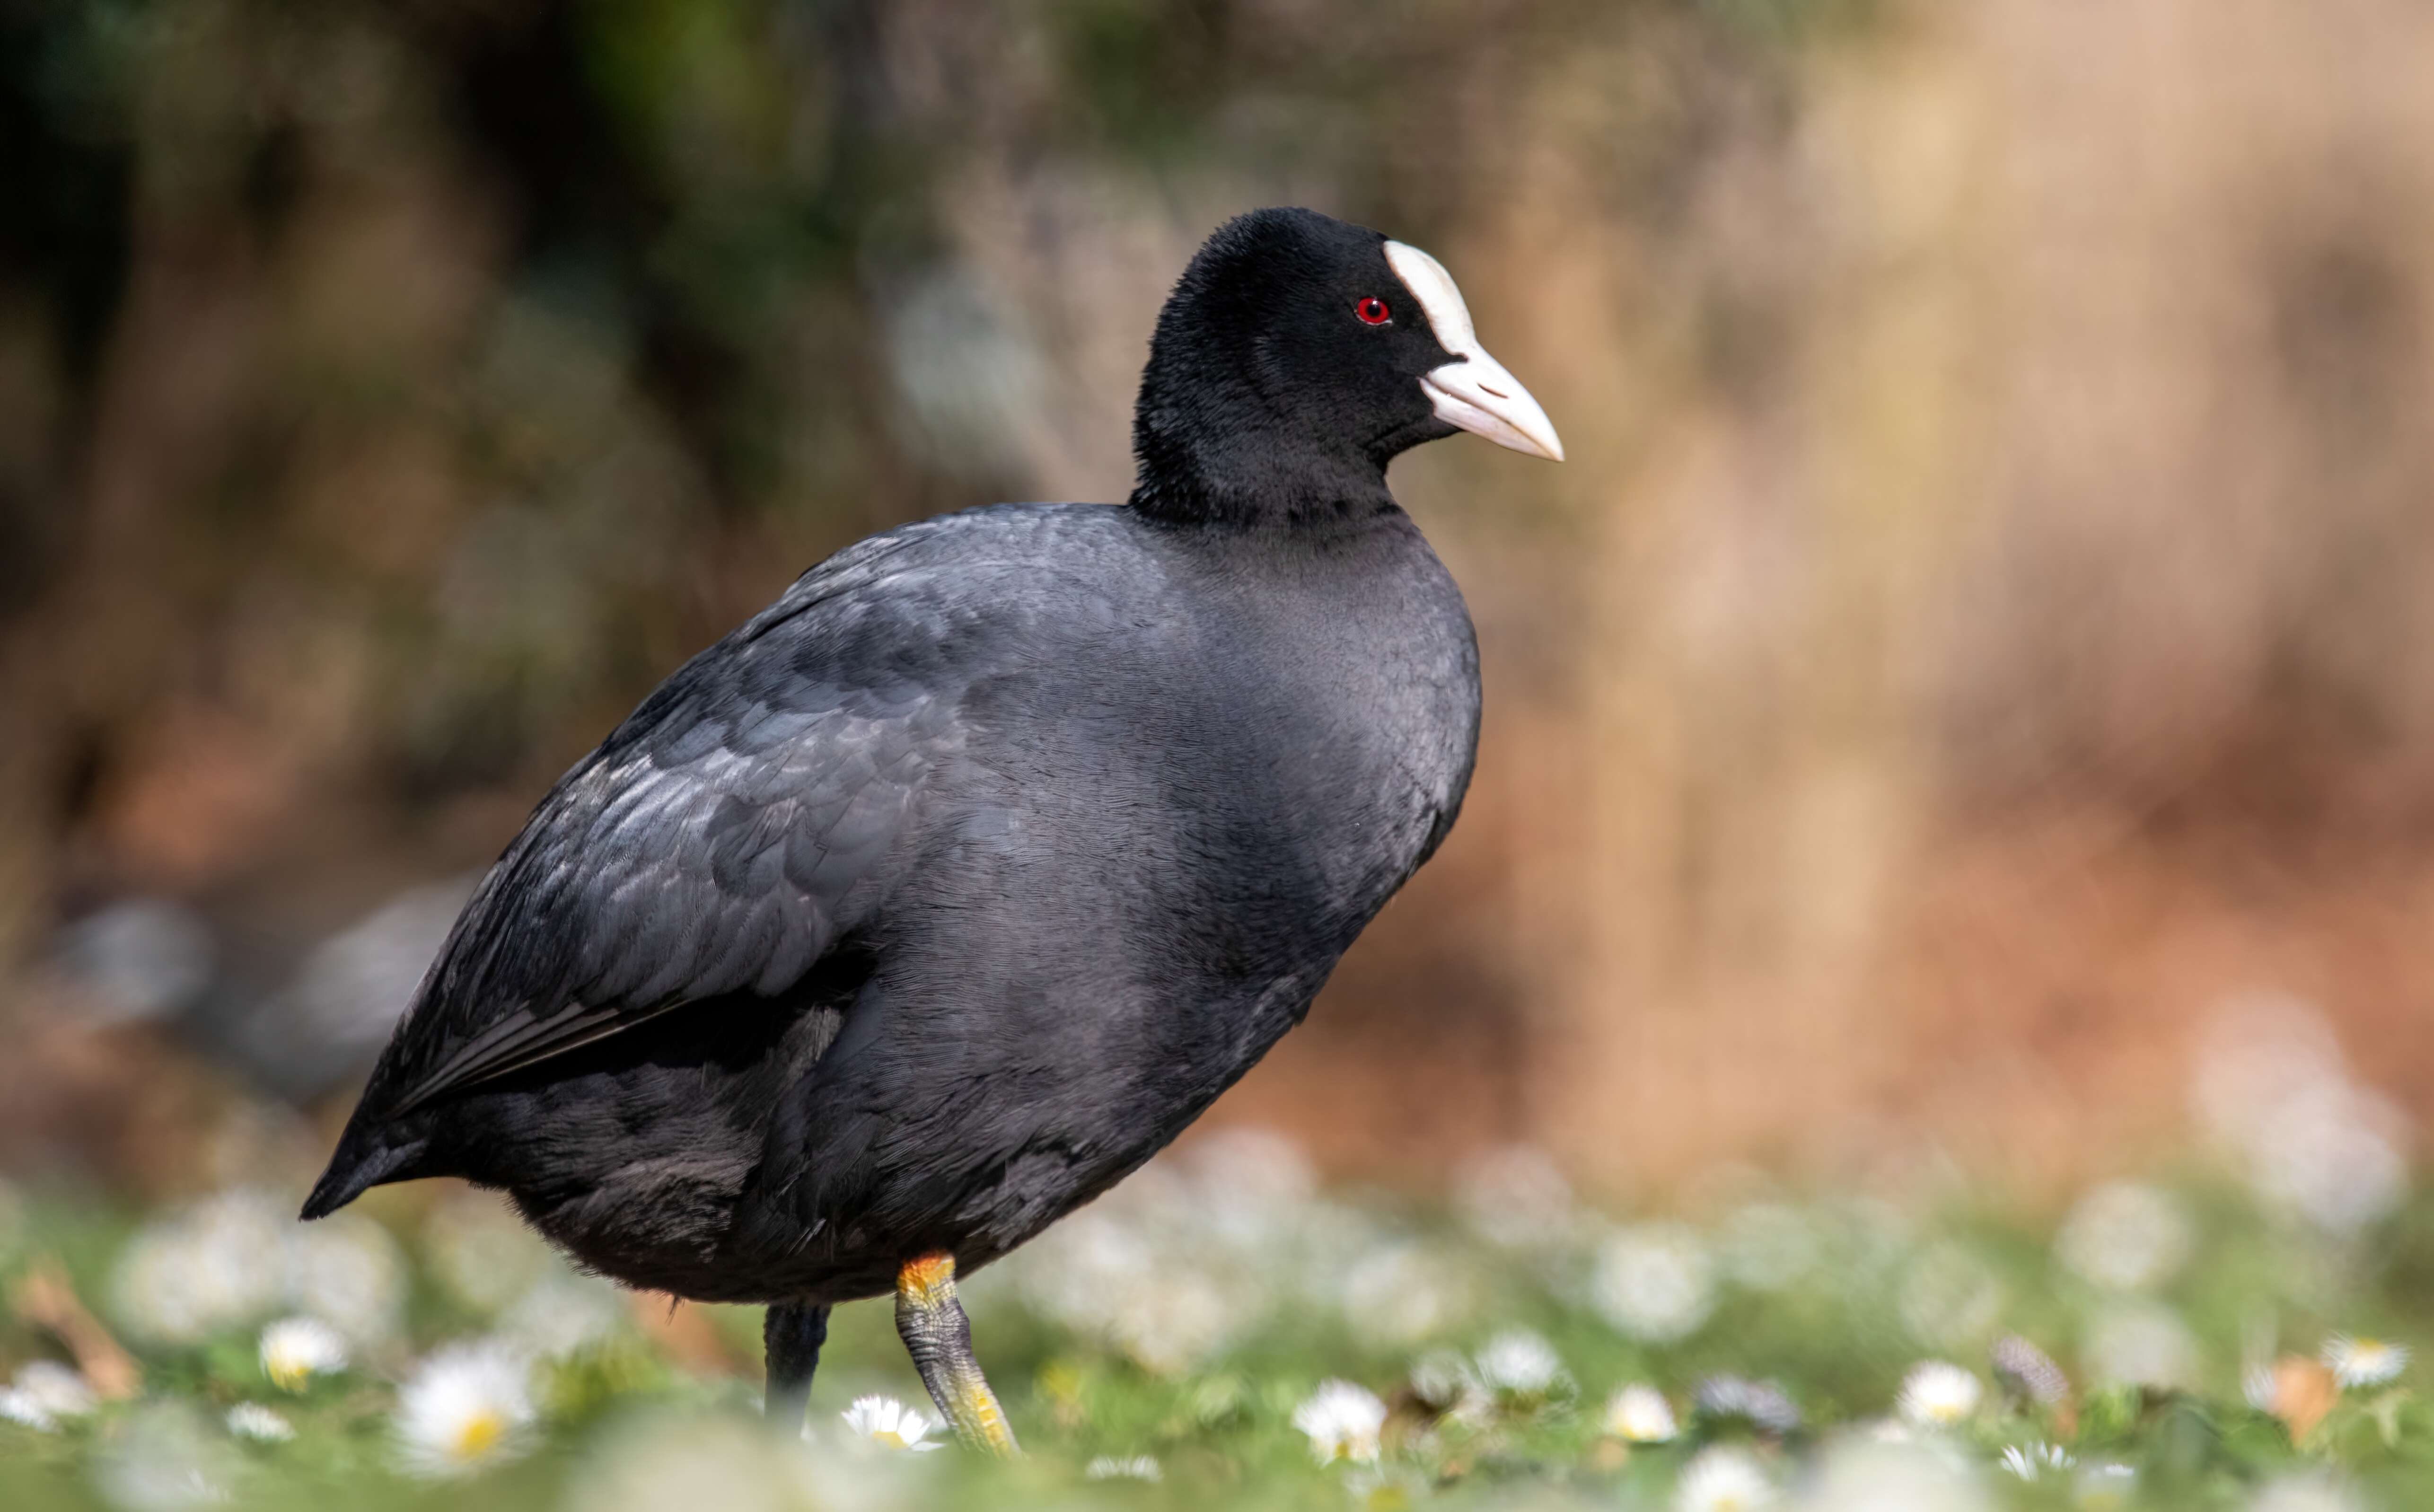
(1372, 310)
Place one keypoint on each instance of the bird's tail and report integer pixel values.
(368, 1154)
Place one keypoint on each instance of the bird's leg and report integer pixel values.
(939, 1339)
(791, 1337)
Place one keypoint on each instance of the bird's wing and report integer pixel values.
(723, 838)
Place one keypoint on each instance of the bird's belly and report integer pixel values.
(993, 1093)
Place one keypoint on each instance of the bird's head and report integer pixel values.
(1297, 356)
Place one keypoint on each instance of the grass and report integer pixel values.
(1186, 1319)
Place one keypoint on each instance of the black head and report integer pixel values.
(1297, 356)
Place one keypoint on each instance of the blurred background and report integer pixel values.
(1979, 655)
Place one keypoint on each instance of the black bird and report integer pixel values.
(942, 894)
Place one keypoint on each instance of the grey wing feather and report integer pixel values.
(720, 841)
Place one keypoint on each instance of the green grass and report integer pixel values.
(1189, 1315)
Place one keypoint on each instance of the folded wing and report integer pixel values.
(744, 819)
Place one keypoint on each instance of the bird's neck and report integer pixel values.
(1250, 478)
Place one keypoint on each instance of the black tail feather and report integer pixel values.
(365, 1159)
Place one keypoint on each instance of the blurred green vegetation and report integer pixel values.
(1189, 1317)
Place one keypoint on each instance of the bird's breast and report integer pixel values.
(1365, 681)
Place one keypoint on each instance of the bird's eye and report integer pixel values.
(1372, 310)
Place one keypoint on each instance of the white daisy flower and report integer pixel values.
(2028, 1372)
(295, 1350)
(482, 1253)
(887, 1423)
(562, 1316)
(1655, 1282)
(1516, 1198)
(1521, 1364)
(1769, 1245)
(45, 1392)
(1641, 1415)
(2307, 1492)
(1762, 1404)
(1164, 1268)
(1078, 1266)
(1248, 1186)
(1858, 1475)
(1938, 1394)
(347, 1271)
(2031, 1461)
(16, 1407)
(2141, 1344)
(232, 1258)
(1342, 1422)
(2258, 1386)
(252, 1420)
(215, 1264)
(465, 1407)
(2125, 1236)
(166, 1457)
(1949, 1298)
(655, 1462)
(1115, 1467)
(2106, 1487)
(1173, 1319)
(1724, 1479)
(2275, 1086)
(1443, 1380)
(1401, 1292)
(2363, 1361)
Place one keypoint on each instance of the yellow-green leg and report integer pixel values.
(939, 1337)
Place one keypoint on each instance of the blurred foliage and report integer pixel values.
(390, 393)
(1190, 1317)
(499, 343)
(1968, 647)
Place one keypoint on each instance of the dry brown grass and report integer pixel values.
(2002, 551)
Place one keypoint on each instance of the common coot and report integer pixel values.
(948, 889)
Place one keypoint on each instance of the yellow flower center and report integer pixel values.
(478, 1436)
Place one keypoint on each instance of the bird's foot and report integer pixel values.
(939, 1337)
